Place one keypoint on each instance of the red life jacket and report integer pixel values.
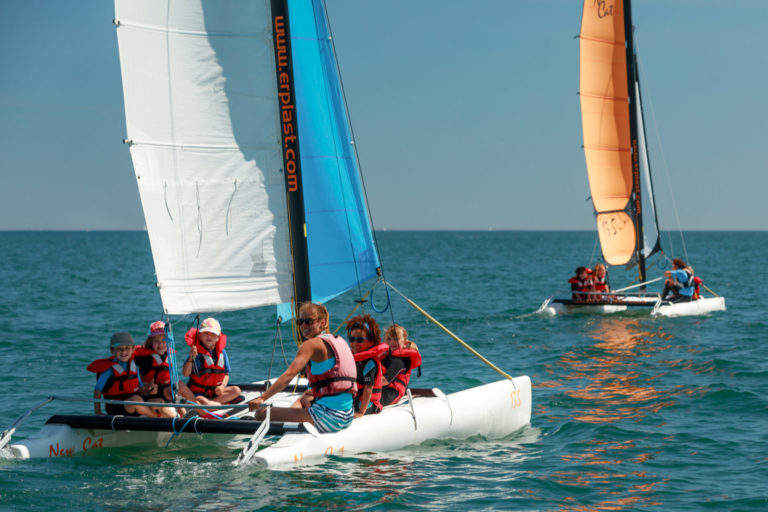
(342, 377)
(153, 366)
(121, 384)
(578, 285)
(214, 369)
(401, 380)
(697, 282)
(361, 358)
(581, 286)
(599, 283)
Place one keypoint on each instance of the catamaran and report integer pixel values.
(618, 165)
(252, 196)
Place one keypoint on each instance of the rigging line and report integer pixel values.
(666, 170)
(274, 347)
(387, 305)
(282, 345)
(174, 367)
(329, 105)
(354, 147)
(359, 303)
(452, 335)
(594, 247)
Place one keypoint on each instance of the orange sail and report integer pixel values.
(606, 125)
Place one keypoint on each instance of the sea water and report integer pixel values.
(629, 412)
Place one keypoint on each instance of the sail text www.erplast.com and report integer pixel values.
(286, 105)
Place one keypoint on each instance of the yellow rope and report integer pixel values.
(344, 322)
(710, 291)
(459, 340)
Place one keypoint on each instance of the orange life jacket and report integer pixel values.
(153, 366)
(401, 380)
(121, 384)
(214, 369)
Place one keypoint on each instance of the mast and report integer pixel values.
(286, 87)
(633, 130)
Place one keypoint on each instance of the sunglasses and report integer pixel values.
(355, 339)
(306, 321)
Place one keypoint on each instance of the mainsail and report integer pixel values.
(613, 134)
(208, 126)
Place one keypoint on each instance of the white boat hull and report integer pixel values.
(557, 308)
(695, 307)
(494, 410)
(53, 441)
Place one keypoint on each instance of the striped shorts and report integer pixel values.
(330, 420)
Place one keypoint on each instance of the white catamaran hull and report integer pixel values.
(696, 307)
(61, 440)
(558, 307)
(494, 410)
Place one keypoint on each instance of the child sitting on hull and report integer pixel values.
(402, 358)
(331, 373)
(600, 283)
(118, 378)
(581, 284)
(365, 341)
(208, 365)
(152, 360)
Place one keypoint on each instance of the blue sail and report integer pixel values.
(340, 242)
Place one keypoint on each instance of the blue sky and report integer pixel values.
(466, 114)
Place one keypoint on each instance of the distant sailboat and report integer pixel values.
(617, 160)
(252, 197)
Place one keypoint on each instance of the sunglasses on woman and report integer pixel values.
(355, 339)
(306, 321)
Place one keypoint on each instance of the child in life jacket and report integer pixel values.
(600, 282)
(152, 360)
(581, 282)
(208, 365)
(118, 378)
(365, 341)
(402, 358)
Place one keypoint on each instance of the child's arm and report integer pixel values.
(365, 398)
(221, 387)
(189, 364)
(97, 405)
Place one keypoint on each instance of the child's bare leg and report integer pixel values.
(204, 401)
(304, 400)
(186, 393)
(140, 409)
(169, 398)
(229, 394)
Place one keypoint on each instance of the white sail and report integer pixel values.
(202, 121)
(650, 226)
